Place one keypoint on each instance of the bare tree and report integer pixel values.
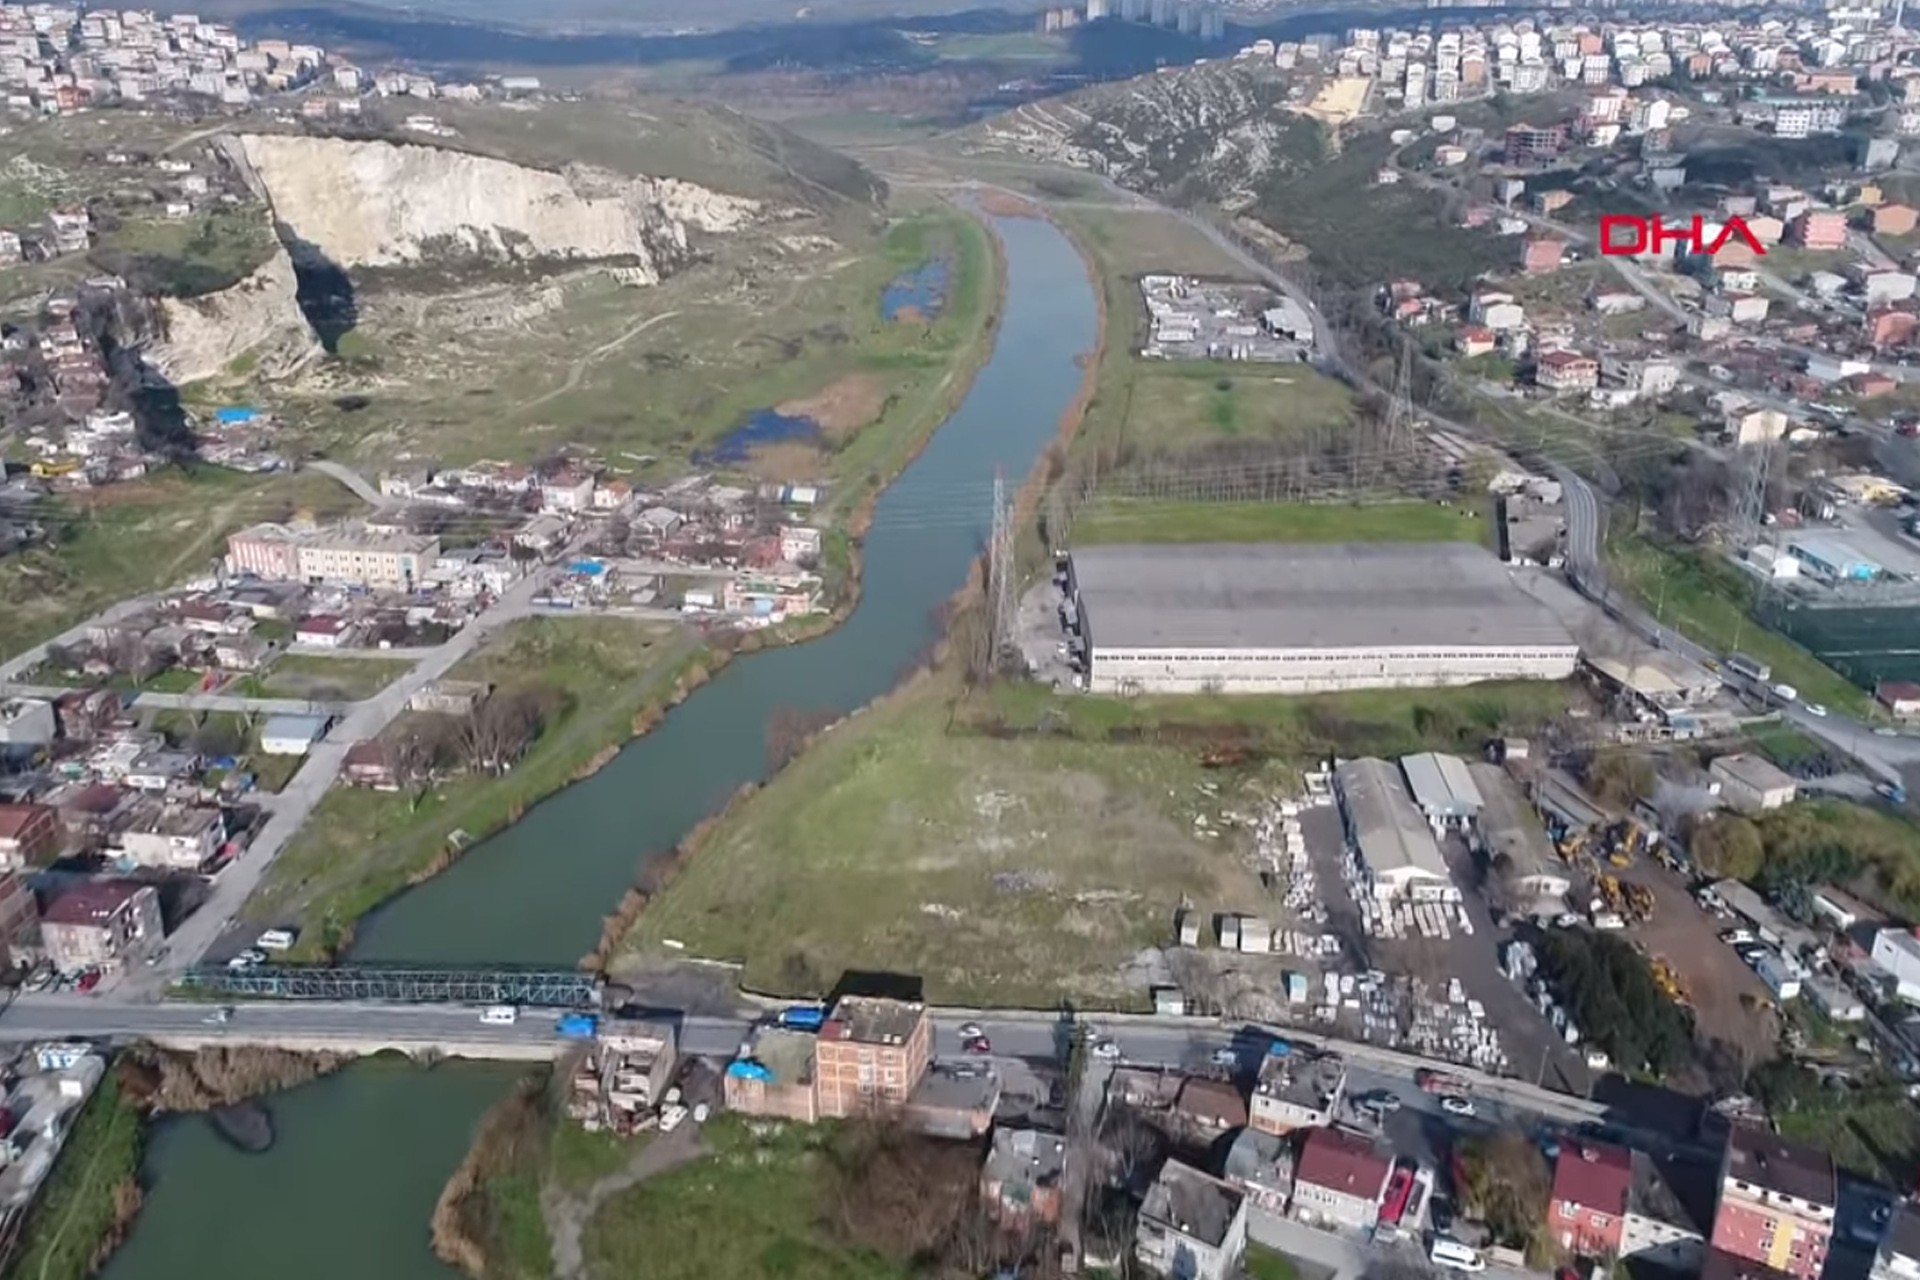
(493, 737)
(413, 754)
(133, 657)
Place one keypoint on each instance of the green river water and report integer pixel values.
(347, 1190)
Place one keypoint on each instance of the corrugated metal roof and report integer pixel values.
(1441, 784)
(1393, 838)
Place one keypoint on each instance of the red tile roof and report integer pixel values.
(1594, 1176)
(92, 903)
(1341, 1161)
(15, 817)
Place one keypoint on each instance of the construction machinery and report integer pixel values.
(1668, 980)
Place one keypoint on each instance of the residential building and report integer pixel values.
(1021, 1180)
(1900, 697)
(1895, 220)
(368, 763)
(1298, 1090)
(636, 1060)
(176, 837)
(1339, 1179)
(1562, 372)
(1897, 954)
(27, 722)
(450, 697)
(1210, 1106)
(1191, 1226)
(19, 922)
(29, 834)
(567, 491)
(1261, 1165)
(1527, 144)
(268, 551)
(97, 924)
(1587, 1213)
(1821, 229)
(1751, 783)
(1899, 1255)
(360, 558)
(1539, 255)
(292, 735)
(1777, 1202)
(1669, 1213)
(799, 544)
(322, 631)
(871, 1052)
(1722, 1265)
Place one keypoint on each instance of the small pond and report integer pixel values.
(762, 427)
(922, 291)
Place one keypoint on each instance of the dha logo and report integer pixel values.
(1625, 234)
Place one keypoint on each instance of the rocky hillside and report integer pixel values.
(257, 320)
(1218, 131)
(376, 203)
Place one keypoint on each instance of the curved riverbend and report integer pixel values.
(360, 1158)
(537, 892)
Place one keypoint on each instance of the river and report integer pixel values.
(348, 1188)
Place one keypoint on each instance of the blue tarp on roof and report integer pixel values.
(235, 414)
(587, 568)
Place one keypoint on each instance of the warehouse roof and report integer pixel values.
(1441, 785)
(1393, 839)
(1753, 771)
(1509, 826)
(1301, 596)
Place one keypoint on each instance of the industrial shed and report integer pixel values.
(1442, 787)
(1294, 618)
(1394, 842)
(1534, 878)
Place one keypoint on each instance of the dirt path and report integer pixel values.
(567, 1215)
(578, 369)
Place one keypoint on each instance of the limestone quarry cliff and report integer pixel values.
(259, 317)
(376, 203)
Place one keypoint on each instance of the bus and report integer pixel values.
(1752, 670)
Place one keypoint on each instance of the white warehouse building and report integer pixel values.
(1387, 830)
(1308, 618)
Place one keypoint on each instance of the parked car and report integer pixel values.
(977, 1044)
(1225, 1058)
(88, 981)
(1815, 709)
(1382, 1102)
(970, 1031)
(223, 1014)
(1455, 1105)
(1105, 1049)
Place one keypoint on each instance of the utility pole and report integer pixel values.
(1000, 574)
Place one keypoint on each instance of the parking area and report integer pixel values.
(1041, 633)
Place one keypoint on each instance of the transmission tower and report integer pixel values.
(1400, 412)
(1000, 572)
(1750, 510)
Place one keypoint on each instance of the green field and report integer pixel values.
(1019, 847)
(1707, 601)
(1138, 520)
(191, 256)
(360, 847)
(1172, 405)
(751, 1211)
(94, 1181)
(324, 679)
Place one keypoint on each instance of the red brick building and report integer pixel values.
(29, 833)
(1591, 1184)
(19, 921)
(1820, 229)
(1562, 372)
(1776, 1202)
(1891, 328)
(871, 1053)
(1539, 255)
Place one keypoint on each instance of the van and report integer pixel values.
(1454, 1255)
(275, 940)
(500, 1015)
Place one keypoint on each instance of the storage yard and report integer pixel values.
(1196, 320)
(1298, 618)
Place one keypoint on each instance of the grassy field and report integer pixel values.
(141, 537)
(1017, 872)
(1707, 602)
(1878, 1141)
(750, 1212)
(324, 679)
(84, 1196)
(1131, 520)
(1172, 405)
(189, 256)
(361, 847)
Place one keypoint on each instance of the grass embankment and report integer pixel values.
(753, 1211)
(1709, 602)
(324, 679)
(1130, 520)
(608, 679)
(1267, 1264)
(139, 537)
(1873, 850)
(1018, 847)
(90, 1198)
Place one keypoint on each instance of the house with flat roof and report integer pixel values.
(291, 735)
(871, 1052)
(1751, 783)
(1021, 1180)
(1297, 1090)
(1191, 1226)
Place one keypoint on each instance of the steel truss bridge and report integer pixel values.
(538, 988)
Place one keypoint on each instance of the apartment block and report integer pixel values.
(871, 1052)
(1777, 1202)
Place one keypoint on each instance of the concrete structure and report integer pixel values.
(349, 555)
(1261, 1165)
(1021, 1180)
(292, 735)
(1821, 229)
(27, 722)
(1897, 953)
(174, 837)
(29, 833)
(96, 924)
(1299, 1090)
(1777, 1201)
(1752, 784)
(871, 1053)
(1191, 1227)
(773, 1077)
(1283, 618)
(1393, 840)
(1563, 372)
(1442, 787)
(1899, 1255)
(1587, 1212)
(1532, 875)
(1339, 1180)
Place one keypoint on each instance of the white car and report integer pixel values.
(1105, 1049)
(1815, 709)
(1225, 1058)
(1457, 1106)
(970, 1031)
(222, 1014)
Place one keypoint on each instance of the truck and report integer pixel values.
(803, 1017)
(1752, 670)
(577, 1026)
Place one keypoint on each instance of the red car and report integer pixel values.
(88, 981)
(978, 1044)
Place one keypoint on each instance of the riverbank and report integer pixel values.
(362, 850)
(94, 1193)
